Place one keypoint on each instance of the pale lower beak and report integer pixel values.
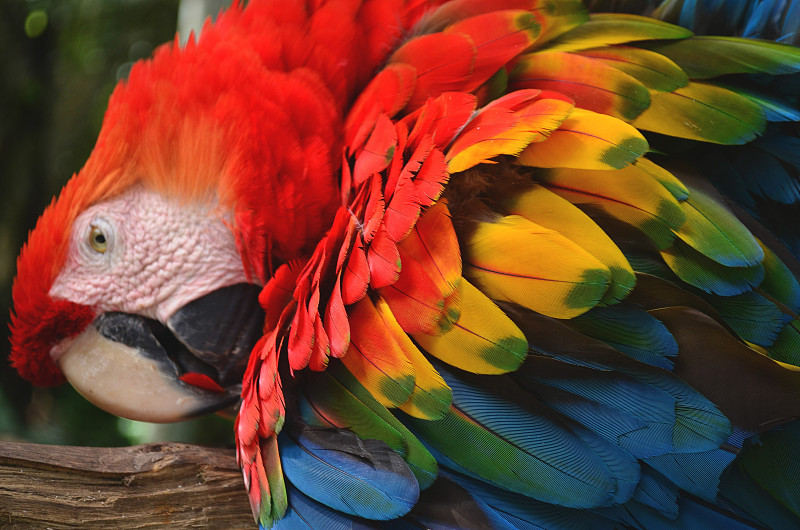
(134, 383)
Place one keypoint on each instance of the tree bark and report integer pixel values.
(146, 486)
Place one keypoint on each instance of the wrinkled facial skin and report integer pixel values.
(156, 255)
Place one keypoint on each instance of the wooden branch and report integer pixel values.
(146, 486)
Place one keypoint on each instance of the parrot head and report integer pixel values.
(139, 284)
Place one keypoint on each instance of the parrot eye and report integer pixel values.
(97, 239)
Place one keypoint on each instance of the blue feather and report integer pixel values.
(699, 425)
(764, 176)
(783, 147)
(448, 505)
(306, 513)
(658, 493)
(624, 410)
(691, 514)
(635, 431)
(775, 109)
(758, 18)
(697, 473)
(358, 477)
(518, 511)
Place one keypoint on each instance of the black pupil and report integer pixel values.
(99, 238)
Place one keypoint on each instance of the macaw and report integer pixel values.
(462, 264)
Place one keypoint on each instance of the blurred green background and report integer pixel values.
(59, 62)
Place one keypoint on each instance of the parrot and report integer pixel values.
(458, 264)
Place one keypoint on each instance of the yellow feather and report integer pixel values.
(375, 358)
(484, 340)
(605, 29)
(701, 111)
(531, 124)
(544, 207)
(677, 188)
(515, 260)
(431, 397)
(587, 140)
(628, 194)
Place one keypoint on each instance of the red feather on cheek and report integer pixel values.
(61, 320)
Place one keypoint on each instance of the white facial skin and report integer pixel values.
(159, 255)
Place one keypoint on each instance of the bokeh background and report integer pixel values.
(59, 62)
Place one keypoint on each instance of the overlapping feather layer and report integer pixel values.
(513, 298)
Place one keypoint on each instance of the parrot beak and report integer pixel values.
(137, 368)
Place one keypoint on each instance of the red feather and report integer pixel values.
(355, 278)
(387, 93)
(437, 73)
(498, 37)
(337, 327)
(415, 299)
(384, 260)
(378, 152)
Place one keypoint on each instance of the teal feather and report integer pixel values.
(707, 57)
(631, 331)
(708, 275)
(714, 231)
(751, 315)
(775, 108)
(756, 496)
(699, 425)
(773, 464)
(739, 492)
(698, 473)
(691, 514)
(350, 399)
(764, 175)
(341, 409)
(779, 282)
(763, 178)
(658, 493)
(786, 347)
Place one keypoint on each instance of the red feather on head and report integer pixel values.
(250, 116)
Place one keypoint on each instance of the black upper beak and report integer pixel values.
(220, 330)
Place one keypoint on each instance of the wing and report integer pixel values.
(560, 290)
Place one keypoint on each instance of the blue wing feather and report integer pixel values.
(358, 477)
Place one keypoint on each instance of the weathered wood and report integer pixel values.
(146, 486)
